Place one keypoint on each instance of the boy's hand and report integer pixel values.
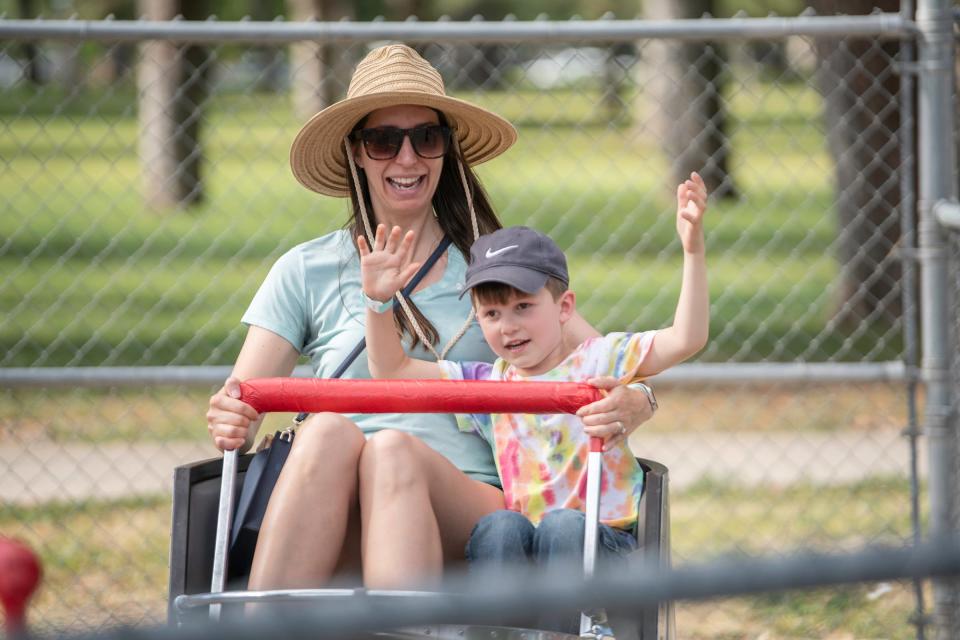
(691, 205)
(387, 267)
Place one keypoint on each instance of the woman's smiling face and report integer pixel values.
(406, 183)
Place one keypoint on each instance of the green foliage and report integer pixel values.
(759, 8)
(94, 278)
(761, 520)
(119, 550)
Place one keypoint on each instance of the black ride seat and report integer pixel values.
(196, 495)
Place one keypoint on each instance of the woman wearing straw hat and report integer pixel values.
(415, 486)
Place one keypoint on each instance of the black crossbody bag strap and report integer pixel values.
(264, 469)
(406, 291)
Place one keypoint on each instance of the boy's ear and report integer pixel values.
(568, 304)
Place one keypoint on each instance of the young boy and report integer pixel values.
(518, 282)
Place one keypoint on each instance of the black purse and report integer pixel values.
(264, 469)
(258, 483)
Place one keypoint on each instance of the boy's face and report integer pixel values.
(526, 331)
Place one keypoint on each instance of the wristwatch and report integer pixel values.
(376, 305)
(651, 398)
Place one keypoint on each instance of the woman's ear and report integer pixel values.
(358, 155)
(568, 304)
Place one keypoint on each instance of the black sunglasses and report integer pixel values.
(383, 143)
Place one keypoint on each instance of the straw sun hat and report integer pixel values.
(389, 76)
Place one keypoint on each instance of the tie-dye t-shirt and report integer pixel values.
(542, 459)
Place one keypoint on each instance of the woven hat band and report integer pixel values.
(403, 82)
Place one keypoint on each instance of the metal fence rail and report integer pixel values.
(683, 375)
(880, 25)
(121, 308)
(518, 595)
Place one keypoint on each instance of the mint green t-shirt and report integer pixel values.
(312, 299)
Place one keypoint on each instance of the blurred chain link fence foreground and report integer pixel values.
(146, 193)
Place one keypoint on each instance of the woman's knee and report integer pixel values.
(390, 461)
(327, 441)
(559, 534)
(500, 536)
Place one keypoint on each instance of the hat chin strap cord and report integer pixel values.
(399, 295)
(467, 191)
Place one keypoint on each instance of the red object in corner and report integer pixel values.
(312, 395)
(19, 576)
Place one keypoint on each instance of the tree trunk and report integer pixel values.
(861, 93)
(684, 86)
(470, 65)
(614, 84)
(32, 71)
(120, 60)
(403, 9)
(319, 73)
(172, 81)
(268, 59)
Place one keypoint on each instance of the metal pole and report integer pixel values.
(908, 246)
(221, 550)
(591, 522)
(936, 163)
(691, 374)
(517, 594)
(881, 25)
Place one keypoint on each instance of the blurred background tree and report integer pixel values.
(861, 92)
(319, 73)
(684, 109)
(682, 94)
(172, 82)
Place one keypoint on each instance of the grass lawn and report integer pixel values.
(105, 563)
(94, 278)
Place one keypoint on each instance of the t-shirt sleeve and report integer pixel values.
(280, 303)
(627, 352)
(478, 423)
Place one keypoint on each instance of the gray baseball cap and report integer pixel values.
(518, 256)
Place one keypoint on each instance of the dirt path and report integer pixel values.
(48, 471)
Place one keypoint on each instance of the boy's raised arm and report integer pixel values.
(691, 322)
(384, 270)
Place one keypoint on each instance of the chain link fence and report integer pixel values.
(146, 193)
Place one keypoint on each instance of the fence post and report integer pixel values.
(936, 176)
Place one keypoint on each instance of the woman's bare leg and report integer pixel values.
(307, 520)
(417, 510)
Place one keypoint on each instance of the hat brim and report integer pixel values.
(318, 159)
(520, 278)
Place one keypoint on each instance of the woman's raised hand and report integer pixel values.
(386, 267)
(229, 418)
(691, 206)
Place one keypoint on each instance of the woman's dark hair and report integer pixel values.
(453, 214)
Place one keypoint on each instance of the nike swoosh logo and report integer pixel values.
(492, 254)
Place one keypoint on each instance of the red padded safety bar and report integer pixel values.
(311, 395)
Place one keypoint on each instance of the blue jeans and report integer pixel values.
(505, 538)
